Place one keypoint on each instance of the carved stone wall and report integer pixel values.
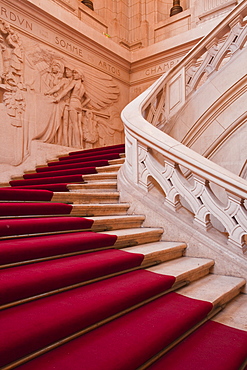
(55, 90)
(137, 24)
(66, 71)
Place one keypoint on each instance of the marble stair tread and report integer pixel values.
(161, 250)
(234, 314)
(184, 269)
(110, 168)
(89, 197)
(116, 161)
(116, 222)
(135, 236)
(217, 289)
(104, 176)
(96, 186)
(88, 210)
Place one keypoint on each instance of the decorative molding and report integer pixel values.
(215, 8)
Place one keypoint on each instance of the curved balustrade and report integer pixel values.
(187, 178)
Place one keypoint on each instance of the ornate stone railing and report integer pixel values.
(188, 179)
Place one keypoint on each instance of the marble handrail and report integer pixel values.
(183, 174)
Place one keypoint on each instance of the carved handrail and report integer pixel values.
(186, 177)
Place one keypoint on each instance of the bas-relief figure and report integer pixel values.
(12, 86)
(83, 104)
(75, 105)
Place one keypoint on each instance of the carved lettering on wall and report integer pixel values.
(16, 18)
(109, 68)
(68, 46)
(72, 47)
(161, 68)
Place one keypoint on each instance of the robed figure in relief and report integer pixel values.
(78, 100)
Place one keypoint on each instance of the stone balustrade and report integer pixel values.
(188, 179)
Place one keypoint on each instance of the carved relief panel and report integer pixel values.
(49, 97)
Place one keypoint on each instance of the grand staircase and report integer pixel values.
(85, 286)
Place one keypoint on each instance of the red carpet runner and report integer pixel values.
(214, 346)
(126, 343)
(37, 314)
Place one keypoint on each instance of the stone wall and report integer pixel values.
(66, 71)
(58, 90)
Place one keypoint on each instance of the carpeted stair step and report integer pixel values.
(70, 171)
(127, 342)
(81, 163)
(78, 309)
(109, 155)
(112, 287)
(61, 170)
(97, 189)
(47, 169)
(47, 180)
(97, 151)
(53, 187)
(66, 182)
(61, 176)
(18, 250)
(85, 158)
(221, 343)
(36, 209)
(33, 208)
(70, 197)
(16, 227)
(75, 160)
(27, 281)
(11, 194)
(115, 148)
